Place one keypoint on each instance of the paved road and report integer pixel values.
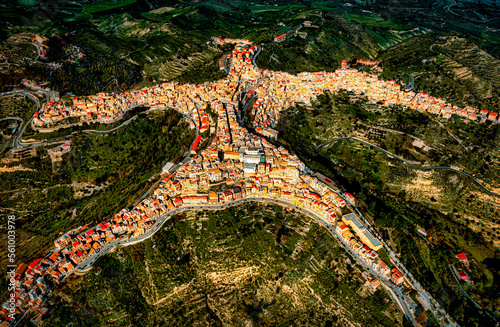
(188, 152)
(95, 131)
(412, 82)
(17, 131)
(16, 140)
(21, 146)
(467, 296)
(22, 42)
(18, 146)
(452, 135)
(139, 104)
(409, 163)
(435, 307)
(255, 56)
(15, 118)
(118, 117)
(399, 296)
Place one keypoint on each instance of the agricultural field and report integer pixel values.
(376, 21)
(107, 5)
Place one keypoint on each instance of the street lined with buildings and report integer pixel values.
(252, 167)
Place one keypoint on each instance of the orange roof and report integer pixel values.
(396, 273)
(54, 256)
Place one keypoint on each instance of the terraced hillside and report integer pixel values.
(250, 265)
(451, 212)
(101, 174)
(448, 66)
(330, 39)
(163, 50)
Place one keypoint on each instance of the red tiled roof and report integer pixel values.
(196, 142)
(461, 256)
(34, 263)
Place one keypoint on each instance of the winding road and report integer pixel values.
(255, 56)
(16, 144)
(186, 156)
(402, 299)
(409, 163)
(396, 292)
(412, 82)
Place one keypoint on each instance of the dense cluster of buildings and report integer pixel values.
(280, 90)
(365, 244)
(276, 91)
(249, 163)
(256, 167)
(221, 41)
(367, 62)
(188, 99)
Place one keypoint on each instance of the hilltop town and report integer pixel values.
(252, 168)
(273, 92)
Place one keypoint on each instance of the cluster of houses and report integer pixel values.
(34, 282)
(252, 166)
(365, 245)
(222, 41)
(280, 90)
(191, 100)
(74, 53)
(60, 149)
(367, 62)
(276, 91)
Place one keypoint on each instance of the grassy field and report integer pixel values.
(168, 15)
(107, 5)
(28, 2)
(324, 5)
(262, 9)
